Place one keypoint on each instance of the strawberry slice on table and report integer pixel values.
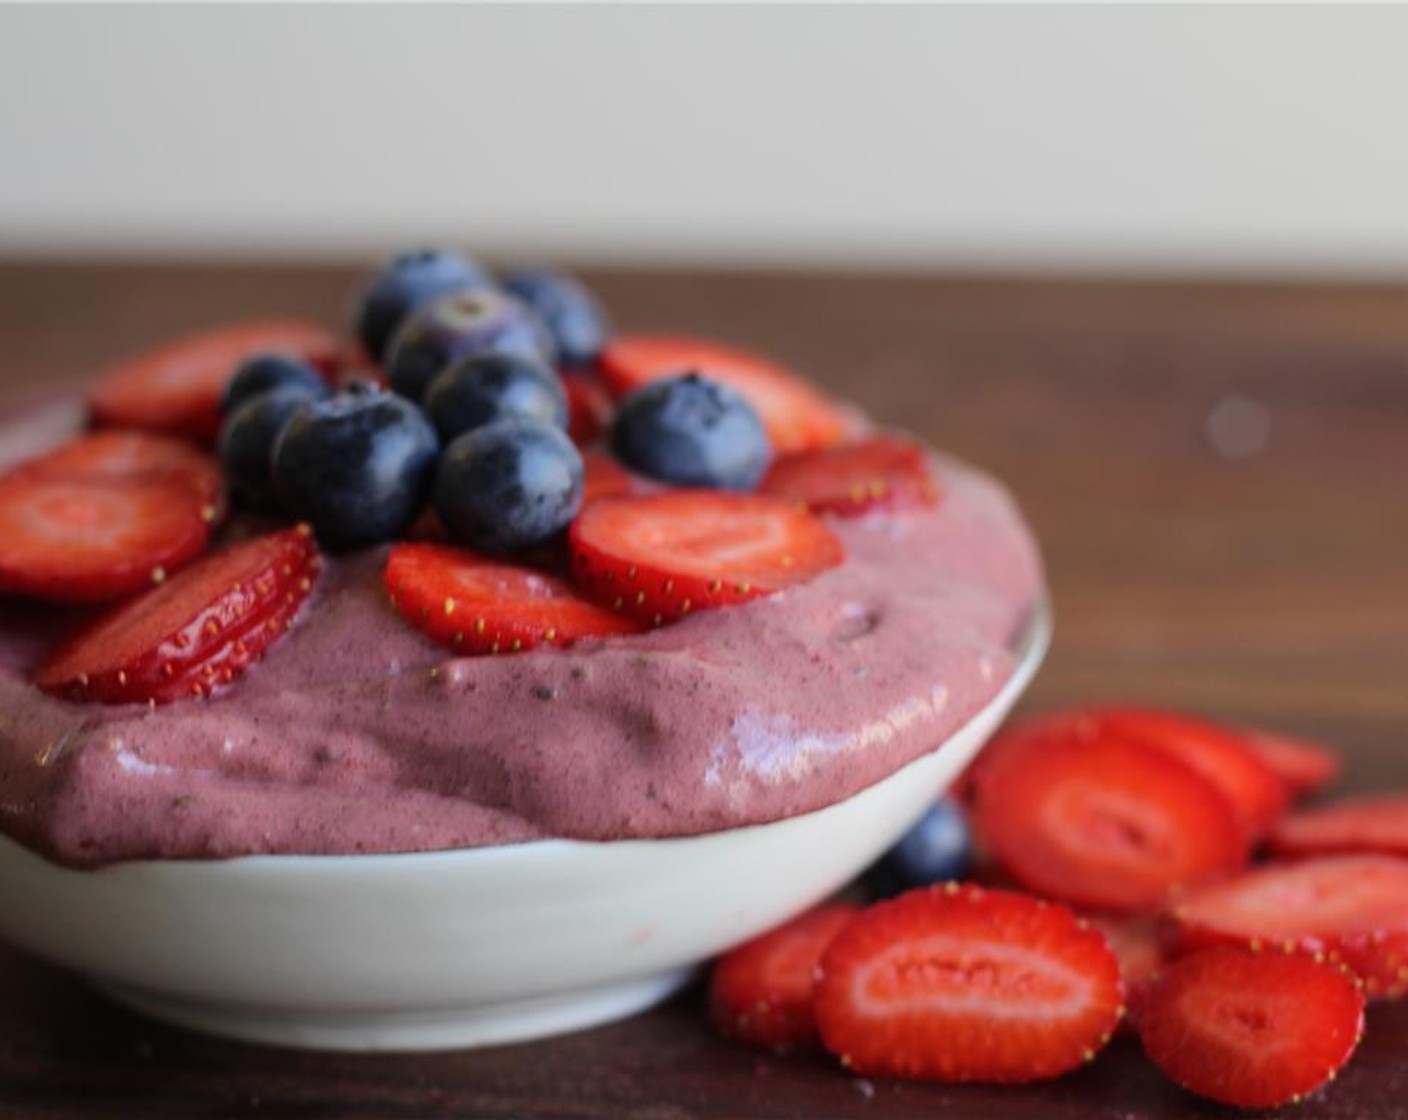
(661, 556)
(476, 605)
(195, 632)
(1303, 767)
(1352, 909)
(1219, 754)
(797, 416)
(1255, 1030)
(1135, 942)
(881, 472)
(176, 389)
(761, 992)
(1359, 824)
(1101, 822)
(958, 983)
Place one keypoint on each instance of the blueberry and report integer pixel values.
(247, 441)
(264, 372)
(357, 466)
(455, 326)
(510, 485)
(691, 432)
(938, 848)
(406, 283)
(482, 388)
(578, 325)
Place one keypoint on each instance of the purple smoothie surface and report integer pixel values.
(356, 733)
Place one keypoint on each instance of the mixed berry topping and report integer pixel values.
(195, 632)
(574, 319)
(482, 388)
(509, 486)
(356, 466)
(265, 373)
(797, 416)
(557, 480)
(461, 325)
(406, 283)
(686, 431)
(105, 516)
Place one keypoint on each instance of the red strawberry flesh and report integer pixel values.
(661, 556)
(1361, 824)
(1135, 941)
(1350, 908)
(1302, 766)
(761, 992)
(1255, 1030)
(177, 388)
(475, 605)
(882, 472)
(589, 407)
(157, 646)
(91, 541)
(1219, 754)
(958, 983)
(1101, 822)
(796, 415)
(605, 477)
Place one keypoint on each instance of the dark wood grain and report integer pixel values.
(1270, 586)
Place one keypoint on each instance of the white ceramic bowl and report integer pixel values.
(455, 949)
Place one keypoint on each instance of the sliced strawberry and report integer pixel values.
(958, 983)
(661, 556)
(119, 455)
(177, 388)
(193, 633)
(797, 416)
(1351, 908)
(605, 477)
(761, 992)
(1135, 942)
(1360, 824)
(884, 471)
(589, 407)
(479, 606)
(1256, 1030)
(1302, 767)
(1218, 754)
(1101, 822)
(90, 541)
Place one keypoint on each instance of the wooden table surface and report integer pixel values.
(1218, 475)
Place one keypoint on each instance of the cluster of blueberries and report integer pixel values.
(476, 418)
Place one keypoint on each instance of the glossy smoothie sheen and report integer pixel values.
(358, 734)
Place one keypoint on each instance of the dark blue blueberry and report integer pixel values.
(486, 387)
(263, 373)
(578, 325)
(456, 326)
(406, 283)
(357, 466)
(247, 440)
(509, 485)
(938, 848)
(691, 432)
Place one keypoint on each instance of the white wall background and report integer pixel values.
(1188, 138)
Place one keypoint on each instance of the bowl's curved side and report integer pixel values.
(402, 951)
